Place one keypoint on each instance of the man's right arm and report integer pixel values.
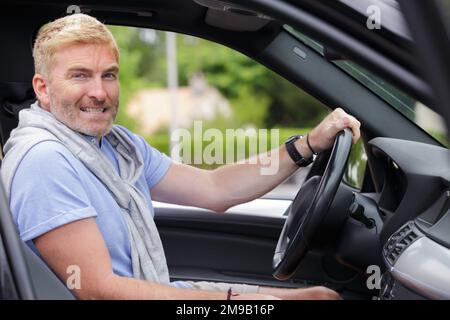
(81, 244)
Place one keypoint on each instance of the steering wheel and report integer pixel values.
(308, 210)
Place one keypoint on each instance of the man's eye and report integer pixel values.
(110, 76)
(79, 76)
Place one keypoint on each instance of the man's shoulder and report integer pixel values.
(45, 164)
(47, 155)
(48, 148)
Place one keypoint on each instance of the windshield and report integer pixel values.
(417, 112)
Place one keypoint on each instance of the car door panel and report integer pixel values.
(237, 248)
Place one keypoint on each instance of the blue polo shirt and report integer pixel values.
(52, 187)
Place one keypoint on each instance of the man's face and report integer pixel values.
(83, 88)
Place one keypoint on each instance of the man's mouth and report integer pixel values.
(93, 110)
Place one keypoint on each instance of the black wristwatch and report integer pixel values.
(293, 152)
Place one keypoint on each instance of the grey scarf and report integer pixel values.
(37, 125)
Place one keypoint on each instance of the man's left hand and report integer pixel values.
(323, 135)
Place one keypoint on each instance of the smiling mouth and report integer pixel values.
(93, 110)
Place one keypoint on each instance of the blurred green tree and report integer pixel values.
(257, 95)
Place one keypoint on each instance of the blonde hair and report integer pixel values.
(73, 29)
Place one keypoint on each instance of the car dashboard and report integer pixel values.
(413, 204)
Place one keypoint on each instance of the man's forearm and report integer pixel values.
(247, 180)
(122, 288)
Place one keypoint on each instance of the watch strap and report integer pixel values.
(294, 154)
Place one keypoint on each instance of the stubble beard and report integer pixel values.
(67, 113)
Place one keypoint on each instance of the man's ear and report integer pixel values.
(41, 90)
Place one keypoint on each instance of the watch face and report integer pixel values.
(289, 139)
(292, 138)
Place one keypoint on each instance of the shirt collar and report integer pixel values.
(93, 140)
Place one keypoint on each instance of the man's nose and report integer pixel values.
(97, 90)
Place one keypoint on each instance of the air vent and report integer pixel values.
(399, 241)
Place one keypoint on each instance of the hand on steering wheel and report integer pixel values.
(309, 209)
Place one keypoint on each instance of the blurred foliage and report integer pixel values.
(130, 83)
(356, 165)
(441, 137)
(197, 143)
(257, 95)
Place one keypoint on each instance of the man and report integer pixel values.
(81, 189)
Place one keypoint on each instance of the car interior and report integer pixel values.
(331, 233)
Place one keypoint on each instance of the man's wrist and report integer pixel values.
(302, 148)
